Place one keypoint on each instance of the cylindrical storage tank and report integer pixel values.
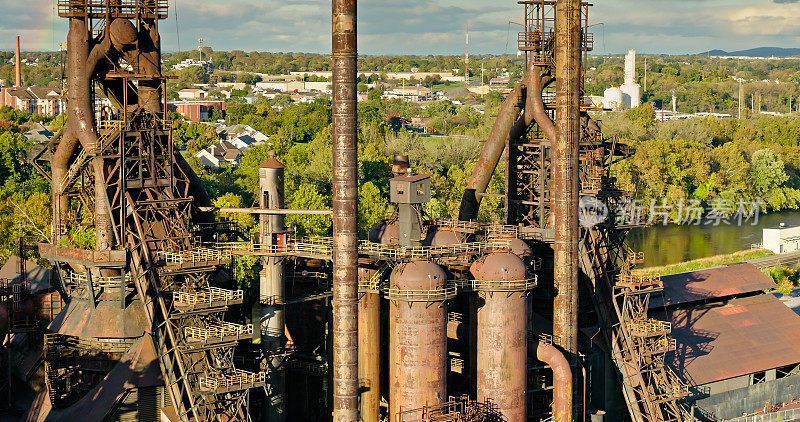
(502, 336)
(521, 249)
(386, 233)
(417, 337)
(443, 236)
(369, 346)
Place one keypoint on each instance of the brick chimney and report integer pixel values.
(18, 63)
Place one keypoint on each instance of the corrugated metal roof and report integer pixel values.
(712, 283)
(725, 340)
(38, 277)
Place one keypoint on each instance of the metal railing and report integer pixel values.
(211, 296)
(638, 281)
(106, 281)
(394, 253)
(127, 8)
(195, 256)
(237, 380)
(648, 327)
(431, 295)
(218, 333)
(504, 285)
(109, 130)
(782, 416)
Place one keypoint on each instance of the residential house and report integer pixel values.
(196, 110)
(35, 99)
(38, 134)
(282, 86)
(192, 94)
(216, 156)
(230, 133)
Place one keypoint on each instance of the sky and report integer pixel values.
(436, 26)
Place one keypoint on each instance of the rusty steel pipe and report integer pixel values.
(564, 183)
(492, 151)
(17, 62)
(345, 207)
(535, 104)
(562, 380)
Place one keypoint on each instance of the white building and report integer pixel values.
(613, 98)
(192, 62)
(781, 239)
(629, 95)
(282, 86)
(632, 92)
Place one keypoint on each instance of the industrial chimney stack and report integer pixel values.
(18, 63)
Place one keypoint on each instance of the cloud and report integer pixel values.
(435, 26)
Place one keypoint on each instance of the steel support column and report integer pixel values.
(345, 205)
(564, 187)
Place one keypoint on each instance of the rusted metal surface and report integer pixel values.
(369, 350)
(107, 258)
(400, 165)
(345, 205)
(562, 380)
(17, 62)
(564, 182)
(386, 233)
(490, 155)
(417, 340)
(718, 341)
(711, 283)
(502, 337)
(443, 236)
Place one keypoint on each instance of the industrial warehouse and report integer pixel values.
(541, 318)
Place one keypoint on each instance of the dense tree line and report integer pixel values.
(710, 159)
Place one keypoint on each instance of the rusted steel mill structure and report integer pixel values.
(424, 321)
(555, 153)
(144, 330)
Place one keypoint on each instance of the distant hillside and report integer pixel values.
(757, 52)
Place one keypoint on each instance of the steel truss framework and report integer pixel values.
(150, 203)
(652, 391)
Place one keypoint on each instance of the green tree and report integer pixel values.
(372, 207)
(308, 197)
(767, 170)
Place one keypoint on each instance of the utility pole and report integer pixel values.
(466, 60)
(740, 98)
(645, 75)
(200, 48)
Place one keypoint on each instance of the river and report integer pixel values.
(663, 245)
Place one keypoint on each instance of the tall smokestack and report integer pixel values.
(564, 179)
(345, 205)
(18, 62)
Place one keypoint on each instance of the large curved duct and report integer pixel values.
(562, 380)
(492, 150)
(510, 124)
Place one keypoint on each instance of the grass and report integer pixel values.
(711, 261)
